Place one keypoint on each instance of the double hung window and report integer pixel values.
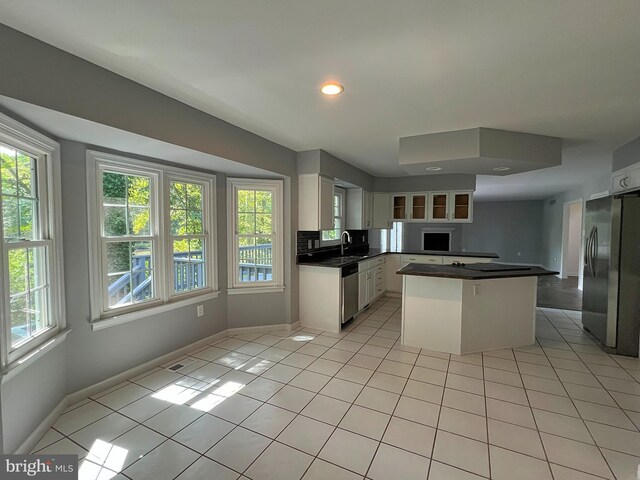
(333, 235)
(31, 262)
(154, 234)
(255, 226)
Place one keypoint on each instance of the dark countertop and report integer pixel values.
(348, 259)
(468, 272)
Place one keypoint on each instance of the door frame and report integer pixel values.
(566, 216)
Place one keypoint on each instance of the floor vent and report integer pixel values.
(185, 362)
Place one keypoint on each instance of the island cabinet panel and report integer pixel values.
(466, 316)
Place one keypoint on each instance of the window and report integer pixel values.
(391, 239)
(255, 228)
(333, 236)
(187, 236)
(31, 286)
(154, 234)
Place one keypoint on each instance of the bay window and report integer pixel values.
(151, 226)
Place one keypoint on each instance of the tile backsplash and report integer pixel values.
(358, 238)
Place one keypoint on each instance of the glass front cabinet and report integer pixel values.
(399, 205)
(450, 207)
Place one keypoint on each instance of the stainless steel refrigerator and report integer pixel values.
(611, 291)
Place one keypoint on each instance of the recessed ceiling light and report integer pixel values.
(332, 89)
(501, 169)
(433, 169)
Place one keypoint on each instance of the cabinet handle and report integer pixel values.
(623, 182)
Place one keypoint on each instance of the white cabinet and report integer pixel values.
(448, 260)
(424, 259)
(315, 202)
(393, 280)
(626, 179)
(363, 282)
(371, 280)
(359, 209)
(460, 206)
(381, 210)
(399, 210)
(418, 207)
(445, 207)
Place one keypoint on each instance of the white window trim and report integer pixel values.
(31, 141)
(277, 284)
(343, 198)
(100, 318)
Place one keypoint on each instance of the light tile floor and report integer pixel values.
(315, 405)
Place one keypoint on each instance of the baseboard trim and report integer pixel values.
(266, 328)
(139, 369)
(35, 436)
(27, 445)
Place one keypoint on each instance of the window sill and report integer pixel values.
(27, 359)
(107, 322)
(250, 290)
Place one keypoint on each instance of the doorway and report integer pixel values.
(572, 241)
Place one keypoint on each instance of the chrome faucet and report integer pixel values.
(342, 244)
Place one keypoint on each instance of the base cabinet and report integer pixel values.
(371, 280)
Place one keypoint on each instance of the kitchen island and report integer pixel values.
(469, 308)
(327, 295)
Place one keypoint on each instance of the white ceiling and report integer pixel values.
(565, 68)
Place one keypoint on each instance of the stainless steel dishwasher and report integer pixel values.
(349, 284)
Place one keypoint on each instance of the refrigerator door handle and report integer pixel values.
(594, 254)
(589, 252)
(586, 251)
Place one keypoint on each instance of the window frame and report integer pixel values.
(277, 253)
(386, 235)
(164, 298)
(342, 194)
(208, 208)
(46, 153)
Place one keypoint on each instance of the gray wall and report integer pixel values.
(506, 228)
(82, 89)
(93, 356)
(412, 235)
(553, 212)
(626, 155)
(31, 395)
(76, 87)
(419, 183)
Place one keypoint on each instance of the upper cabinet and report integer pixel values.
(359, 209)
(315, 202)
(399, 207)
(626, 179)
(381, 210)
(451, 207)
(418, 211)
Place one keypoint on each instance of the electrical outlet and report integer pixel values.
(317, 243)
(476, 290)
(309, 244)
(555, 260)
(200, 310)
(518, 253)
